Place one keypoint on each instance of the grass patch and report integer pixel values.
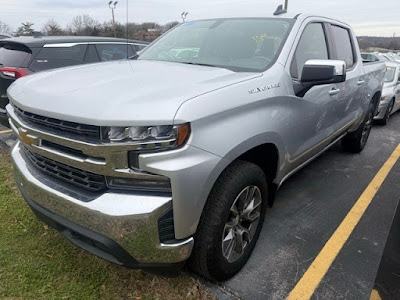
(36, 262)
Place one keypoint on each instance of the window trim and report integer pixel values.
(327, 42)
(353, 48)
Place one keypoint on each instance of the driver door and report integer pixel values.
(316, 113)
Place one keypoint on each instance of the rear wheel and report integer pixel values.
(231, 222)
(356, 141)
(385, 119)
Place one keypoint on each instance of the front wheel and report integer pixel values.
(231, 222)
(355, 142)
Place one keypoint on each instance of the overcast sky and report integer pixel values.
(367, 17)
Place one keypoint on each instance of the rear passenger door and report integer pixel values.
(350, 97)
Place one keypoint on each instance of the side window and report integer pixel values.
(140, 47)
(91, 55)
(57, 57)
(343, 45)
(110, 52)
(312, 45)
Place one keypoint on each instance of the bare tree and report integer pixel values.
(4, 28)
(84, 25)
(169, 26)
(52, 28)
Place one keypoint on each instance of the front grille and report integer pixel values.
(59, 126)
(86, 180)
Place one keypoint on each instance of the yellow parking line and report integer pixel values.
(375, 295)
(312, 277)
(5, 131)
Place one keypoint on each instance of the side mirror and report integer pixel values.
(317, 72)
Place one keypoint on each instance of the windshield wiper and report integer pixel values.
(199, 64)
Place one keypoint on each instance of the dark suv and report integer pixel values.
(4, 36)
(25, 55)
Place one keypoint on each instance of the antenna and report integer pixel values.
(280, 11)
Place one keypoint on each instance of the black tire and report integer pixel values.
(207, 257)
(355, 142)
(385, 119)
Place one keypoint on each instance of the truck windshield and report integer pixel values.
(237, 44)
(389, 75)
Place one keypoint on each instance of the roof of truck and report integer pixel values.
(44, 40)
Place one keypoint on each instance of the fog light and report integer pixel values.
(159, 185)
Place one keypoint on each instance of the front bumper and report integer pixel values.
(126, 222)
(382, 109)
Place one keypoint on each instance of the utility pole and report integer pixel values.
(286, 4)
(113, 6)
(183, 16)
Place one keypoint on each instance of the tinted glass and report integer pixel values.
(343, 46)
(108, 52)
(57, 57)
(91, 55)
(312, 45)
(390, 73)
(140, 47)
(13, 55)
(236, 44)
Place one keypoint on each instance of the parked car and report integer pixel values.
(371, 57)
(26, 55)
(391, 57)
(383, 57)
(150, 162)
(4, 36)
(390, 100)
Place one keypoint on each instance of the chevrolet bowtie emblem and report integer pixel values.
(26, 138)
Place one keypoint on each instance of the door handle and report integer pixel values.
(360, 82)
(334, 92)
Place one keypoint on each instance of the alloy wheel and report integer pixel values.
(242, 223)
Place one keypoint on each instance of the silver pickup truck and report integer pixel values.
(176, 155)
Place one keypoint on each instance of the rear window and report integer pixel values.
(13, 55)
(108, 52)
(57, 57)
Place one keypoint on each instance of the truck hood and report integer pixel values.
(119, 93)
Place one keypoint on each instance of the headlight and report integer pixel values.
(148, 137)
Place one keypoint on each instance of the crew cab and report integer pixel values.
(22, 56)
(177, 155)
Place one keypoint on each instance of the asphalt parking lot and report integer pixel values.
(309, 208)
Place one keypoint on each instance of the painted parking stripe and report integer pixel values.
(307, 285)
(5, 131)
(375, 295)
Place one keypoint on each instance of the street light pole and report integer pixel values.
(113, 17)
(183, 16)
(286, 4)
